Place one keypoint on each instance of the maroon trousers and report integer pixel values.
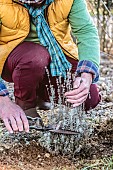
(25, 66)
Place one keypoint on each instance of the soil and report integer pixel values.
(21, 154)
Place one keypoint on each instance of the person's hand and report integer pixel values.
(80, 90)
(13, 116)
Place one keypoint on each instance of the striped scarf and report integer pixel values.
(59, 64)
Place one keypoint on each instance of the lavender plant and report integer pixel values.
(65, 117)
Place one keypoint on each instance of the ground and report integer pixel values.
(24, 152)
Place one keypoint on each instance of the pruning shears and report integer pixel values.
(37, 124)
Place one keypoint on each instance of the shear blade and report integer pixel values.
(66, 132)
(40, 128)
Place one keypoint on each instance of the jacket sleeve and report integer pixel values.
(84, 30)
(3, 88)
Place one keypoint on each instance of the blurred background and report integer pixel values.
(102, 13)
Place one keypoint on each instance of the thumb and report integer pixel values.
(77, 83)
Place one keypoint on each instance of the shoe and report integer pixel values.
(34, 118)
(42, 105)
(32, 112)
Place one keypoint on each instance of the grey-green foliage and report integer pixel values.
(104, 164)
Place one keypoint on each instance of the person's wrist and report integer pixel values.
(87, 76)
(6, 98)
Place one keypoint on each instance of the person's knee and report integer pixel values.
(40, 63)
(41, 57)
(37, 59)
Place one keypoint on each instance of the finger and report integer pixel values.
(76, 85)
(7, 124)
(78, 104)
(76, 91)
(78, 96)
(77, 82)
(19, 123)
(13, 123)
(77, 101)
(25, 122)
